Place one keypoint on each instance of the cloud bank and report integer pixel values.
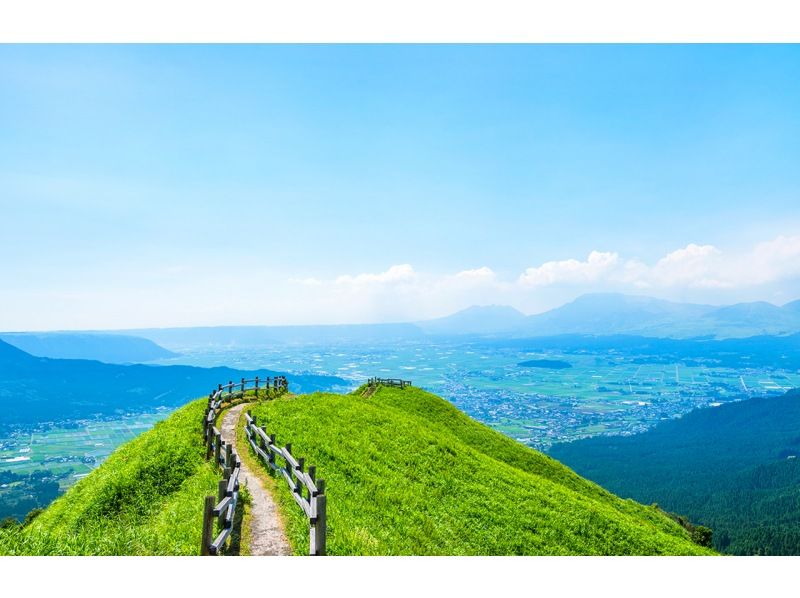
(698, 272)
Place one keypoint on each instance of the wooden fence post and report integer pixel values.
(208, 522)
(321, 524)
(271, 454)
(242, 386)
(209, 440)
(217, 448)
(222, 488)
(256, 386)
(298, 487)
(228, 450)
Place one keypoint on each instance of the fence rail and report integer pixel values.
(223, 508)
(396, 382)
(307, 491)
(227, 495)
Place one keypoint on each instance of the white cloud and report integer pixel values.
(395, 274)
(308, 282)
(570, 271)
(479, 274)
(694, 266)
(773, 260)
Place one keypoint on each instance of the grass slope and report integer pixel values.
(145, 499)
(407, 473)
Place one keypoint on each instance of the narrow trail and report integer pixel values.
(267, 537)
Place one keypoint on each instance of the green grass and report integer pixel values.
(409, 474)
(145, 499)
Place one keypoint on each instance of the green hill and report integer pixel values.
(407, 473)
(145, 499)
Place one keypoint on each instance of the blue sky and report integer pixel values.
(183, 185)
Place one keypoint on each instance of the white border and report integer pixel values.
(399, 21)
(353, 577)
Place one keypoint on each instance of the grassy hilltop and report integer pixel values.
(406, 472)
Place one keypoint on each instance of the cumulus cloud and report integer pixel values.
(693, 266)
(395, 274)
(570, 271)
(696, 271)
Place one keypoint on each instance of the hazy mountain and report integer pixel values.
(254, 336)
(611, 313)
(36, 389)
(110, 348)
(793, 307)
(486, 319)
(590, 314)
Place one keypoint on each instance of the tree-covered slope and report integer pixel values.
(734, 468)
(407, 473)
(145, 499)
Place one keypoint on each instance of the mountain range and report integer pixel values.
(613, 313)
(597, 314)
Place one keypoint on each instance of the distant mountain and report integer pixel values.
(39, 389)
(109, 348)
(793, 307)
(734, 468)
(611, 313)
(595, 314)
(253, 336)
(488, 319)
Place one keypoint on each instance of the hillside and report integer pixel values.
(489, 319)
(734, 468)
(109, 348)
(407, 473)
(37, 389)
(146, 499)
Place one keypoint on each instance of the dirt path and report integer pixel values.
(267, 537)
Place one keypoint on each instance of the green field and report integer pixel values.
(76, 447)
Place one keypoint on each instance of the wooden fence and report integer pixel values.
(227, 495)
(397, 382)
(225, 456)
(307, 491)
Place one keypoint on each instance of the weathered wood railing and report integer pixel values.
(261, 387)
(396, 382)
(225, 456)
(307, 491)
(227, 495)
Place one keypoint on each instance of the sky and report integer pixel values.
(147, 186)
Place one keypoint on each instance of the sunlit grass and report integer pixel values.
(146, 499)
(407, 473)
